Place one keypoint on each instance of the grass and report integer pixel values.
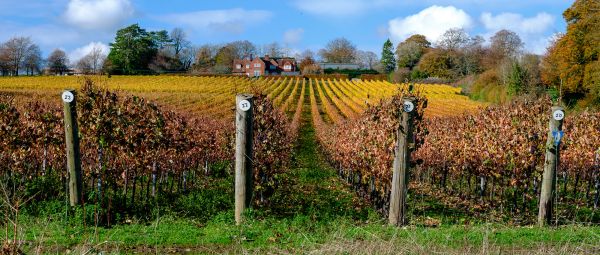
(312, 212)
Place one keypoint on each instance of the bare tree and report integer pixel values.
(84, 65)
(367, 59)
(453, 39)
(33, 60)
(243, 49)
(273, 50)
(340, 50)
(92, 62)
(97, 58)
(187, 57)
(178, 41)
(58, 62)
(17, 49)
(506, 43)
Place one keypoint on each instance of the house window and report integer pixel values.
(256, 64)
(247, 66)
(287, 67)
(238, 66)
(256, 73)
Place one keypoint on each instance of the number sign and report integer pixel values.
(244, 105)
(558, 115)
(67, 97)
(408, 106)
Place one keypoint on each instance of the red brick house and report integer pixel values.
(265, 66)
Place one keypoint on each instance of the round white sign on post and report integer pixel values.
(67, 97)
(408, 106)
(244, 105)
(558, 115)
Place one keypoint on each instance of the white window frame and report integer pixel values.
(256, 64)
(287, 67)
(256, 72)
(247, 66)
(238, 66)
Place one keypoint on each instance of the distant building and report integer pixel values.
(265, 66)
(339, 66)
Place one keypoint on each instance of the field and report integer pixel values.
(209, 95)
(157, 163)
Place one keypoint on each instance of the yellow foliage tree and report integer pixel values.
(573, 58)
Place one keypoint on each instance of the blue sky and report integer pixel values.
(77, 25)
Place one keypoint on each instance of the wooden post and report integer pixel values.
(72, 144)
(243, 155)
(397, 215)
(550, 165)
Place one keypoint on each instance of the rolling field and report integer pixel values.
(213, 96)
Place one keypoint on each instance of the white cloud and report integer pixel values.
(293, 36)
(80, 52)
(431, 22)
(229, 20)
(533, 30)
(47, 36)
(98, 14)
(516, 22)
(339, 7)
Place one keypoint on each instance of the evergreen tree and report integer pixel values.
(388, 61)
(516, 79)
(134, 48)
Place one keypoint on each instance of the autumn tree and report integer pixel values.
(205, 58)
(224, 59)
(410, 51)
(339, 50)
(388, 61)
(439, 63)
(573, 59)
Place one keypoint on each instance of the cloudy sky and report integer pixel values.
(76, 26)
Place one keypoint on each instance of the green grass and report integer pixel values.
(302, 234)
(312, 212)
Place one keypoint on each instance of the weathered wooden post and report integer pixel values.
(72, 147)
(243, 155)
(399, 191)
(548, 192)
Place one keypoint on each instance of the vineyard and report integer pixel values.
(208, 95)
(144, 137)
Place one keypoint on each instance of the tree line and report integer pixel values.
(501, 69)
(494, 71)
(21, 56)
